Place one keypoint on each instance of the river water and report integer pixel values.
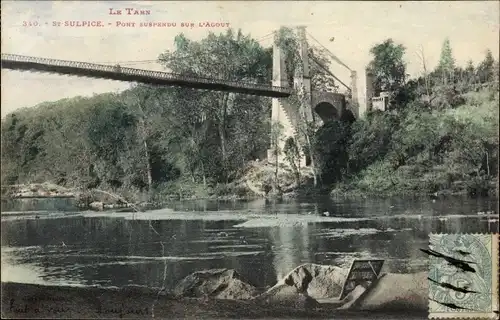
(263, 240)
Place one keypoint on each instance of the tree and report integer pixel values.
(425, 74)
(486, 68)
(321, 80)
(244, 61)
(496, 74)
(292, 154)
(371, 139)
(446, 64)
(331, 143)
(113, 139)
(388, 67)
(469, 72)
(276, 136)
(140, 100)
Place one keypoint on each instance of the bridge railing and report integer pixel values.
(136, 72)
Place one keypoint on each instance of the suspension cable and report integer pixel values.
(329, 72)
(331, 53)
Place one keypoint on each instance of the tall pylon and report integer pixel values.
(302, 80)
(354, 93)
(283, 114)
(279, 118)
(369, 89)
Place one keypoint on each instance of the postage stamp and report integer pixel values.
(463, 276)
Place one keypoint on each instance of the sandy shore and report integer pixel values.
(36, 301)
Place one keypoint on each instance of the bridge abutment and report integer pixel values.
(315, 106)
(281, 124)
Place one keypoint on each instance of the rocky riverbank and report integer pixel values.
(256, 182)
(37, 190)
(94, 199)
(308, 291)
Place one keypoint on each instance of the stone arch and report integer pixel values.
(328, 105)
(326, 111)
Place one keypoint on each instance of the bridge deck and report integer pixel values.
(93, 70)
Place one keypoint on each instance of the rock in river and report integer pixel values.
(97, 206)
(303, 285)
(282, 295)
(216, 283)
(318, 281)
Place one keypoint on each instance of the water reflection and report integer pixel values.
(263, 240)
(39, 204)
(291, 248)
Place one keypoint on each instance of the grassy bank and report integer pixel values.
(450, 151)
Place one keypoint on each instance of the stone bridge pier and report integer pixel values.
(319, 107)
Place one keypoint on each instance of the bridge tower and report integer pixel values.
(302, 77)
(281, 125)
(354, 94)
(316, 106)
(285, 117)
(369, 89)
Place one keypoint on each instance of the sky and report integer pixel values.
(471, 26)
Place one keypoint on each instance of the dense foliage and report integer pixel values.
(440, 134)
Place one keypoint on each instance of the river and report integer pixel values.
(261, 239)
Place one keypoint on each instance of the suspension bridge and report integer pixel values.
(101, 71)
(326, 105)
(158, 78)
